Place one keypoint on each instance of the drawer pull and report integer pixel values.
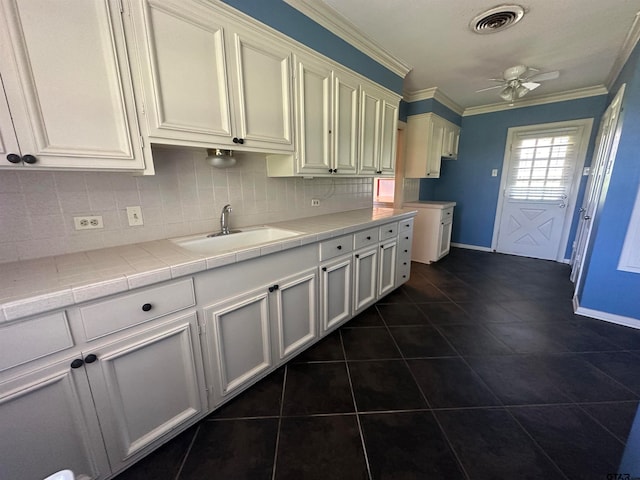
(406, 251)
(357, 255)
(404, 263)
(390, 231)
(90, 358)
(77, 363)
(146, 307)
(406, 238)
(369, 238)
(404, 276)
(339, 247)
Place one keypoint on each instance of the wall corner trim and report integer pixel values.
(605, 316)
(336, 24)
(628, 45)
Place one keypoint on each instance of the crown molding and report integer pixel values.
(629, 44)
(336, 24)
(434, 93)
(551, 98)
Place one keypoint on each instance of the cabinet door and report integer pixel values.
(8, 141)
(434, 147)
(49, 423)
(68, 84)
(146, 386)
(184, 71)
(387, 268)
(238, 340)
(388, 136)
(345, 123)
(444, 238)
(313, 102)
(294, 313)
(365, 273)
(263, 94)
(335, 293)
(451, 138)
(369, 151)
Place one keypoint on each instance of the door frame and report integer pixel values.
(587, 123)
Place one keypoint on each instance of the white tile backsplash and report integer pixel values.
(184, 197)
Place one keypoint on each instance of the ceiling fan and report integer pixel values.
(519, 80)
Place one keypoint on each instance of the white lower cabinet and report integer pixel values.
(147, 385)
(387, 268)
(240, 339)
(335, 292)
(49, 423)
(365, 268)
(105, 407)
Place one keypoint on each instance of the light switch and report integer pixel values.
(494, 172)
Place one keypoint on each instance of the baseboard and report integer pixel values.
(471, 247)
(605, 316)
(565, 260)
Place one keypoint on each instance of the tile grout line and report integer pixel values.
(426, 400)
(186, 455)
(277, 447)
(355, 406)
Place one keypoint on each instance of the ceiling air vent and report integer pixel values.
(497, 19)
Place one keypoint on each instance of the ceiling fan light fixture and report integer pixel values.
(496, 19)
(507, 94)
(521, 91)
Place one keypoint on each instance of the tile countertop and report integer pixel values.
(36, 286)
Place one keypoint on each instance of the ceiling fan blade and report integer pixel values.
(489, 88)
(541, 77)
(531, 85)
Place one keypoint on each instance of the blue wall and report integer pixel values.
(605, 288)
(468, 179)
(432, 105)
(286, 19)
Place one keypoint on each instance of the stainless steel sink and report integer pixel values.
(243, 238)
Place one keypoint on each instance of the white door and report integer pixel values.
(601, 166)
(146, 386)
(543, 164)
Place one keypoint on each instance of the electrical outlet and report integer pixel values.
(315, 202)
(134, 215)
(494, 172)
(88, 223)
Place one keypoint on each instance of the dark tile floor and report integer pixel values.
(475, 369)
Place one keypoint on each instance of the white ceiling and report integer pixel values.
(580, 38)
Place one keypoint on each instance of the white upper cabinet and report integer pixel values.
(429, 139)
(345, 122)
(210, 82)
(67, 81)
(378, 125)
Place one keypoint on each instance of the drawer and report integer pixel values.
(389, 230)
(447, 213)
(405, 237)
(405, 225)
(32, 339)
(124, 311)
(365, 238)
(335, 246)
(403, 273)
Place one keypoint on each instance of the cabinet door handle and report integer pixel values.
(406, 238)
(146, 307)
(30, 159)
(13, 158)
(77, 363)
(357, 255)
(273, 289)
(339, 247)
(404, 263)
(324, 269)
(276, 287)
(90, 358)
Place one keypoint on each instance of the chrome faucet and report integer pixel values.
(224, 220)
